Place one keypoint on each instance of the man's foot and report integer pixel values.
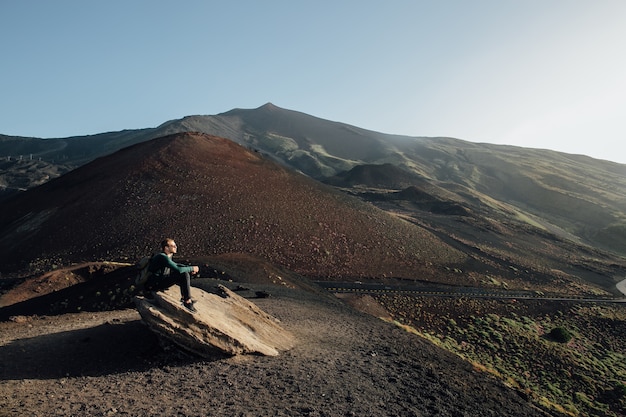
(189, 306)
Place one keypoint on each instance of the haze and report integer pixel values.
(527, 73)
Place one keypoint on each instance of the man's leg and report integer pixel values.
(160, 283)
(184, 282)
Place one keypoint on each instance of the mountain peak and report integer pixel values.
(269, 106)
(269, 109)
(265, 109)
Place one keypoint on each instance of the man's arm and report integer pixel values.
(178, 267)
(161, 261)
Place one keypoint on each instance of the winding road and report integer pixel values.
(434, 290)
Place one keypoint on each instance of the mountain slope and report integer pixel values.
(583, 197)
(212, 196)
(318, 147)
(578, 197)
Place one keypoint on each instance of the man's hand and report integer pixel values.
(194, 270)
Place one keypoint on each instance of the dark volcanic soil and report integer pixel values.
(345, 364)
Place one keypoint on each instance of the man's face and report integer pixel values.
(171, 248)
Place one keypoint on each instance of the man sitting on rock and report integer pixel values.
(165, 273)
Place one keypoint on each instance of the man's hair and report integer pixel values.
(165, 243)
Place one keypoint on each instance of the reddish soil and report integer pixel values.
(222, 199)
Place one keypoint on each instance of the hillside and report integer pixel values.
(217, 197)
(577, 197)
(214, 197)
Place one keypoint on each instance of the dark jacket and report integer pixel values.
(161, 265)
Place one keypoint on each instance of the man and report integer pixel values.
(165, 273)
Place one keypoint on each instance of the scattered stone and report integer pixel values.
(19, 319)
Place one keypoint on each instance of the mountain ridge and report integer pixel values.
(583, 196)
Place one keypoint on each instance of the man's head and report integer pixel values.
(168, 246)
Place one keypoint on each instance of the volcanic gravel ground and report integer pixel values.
(345, 363)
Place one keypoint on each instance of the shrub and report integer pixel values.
(619, 392)
(560, 334)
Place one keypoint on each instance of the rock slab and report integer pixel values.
(224, 322)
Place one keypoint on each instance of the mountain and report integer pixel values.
(576, 203)
(214, 197)
(574, 196)
(217, 197)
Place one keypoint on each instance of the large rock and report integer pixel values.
(224, 322)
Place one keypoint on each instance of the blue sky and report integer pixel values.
(534, 73)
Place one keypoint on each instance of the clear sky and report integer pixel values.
(533, 73)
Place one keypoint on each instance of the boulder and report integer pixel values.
(224, 322)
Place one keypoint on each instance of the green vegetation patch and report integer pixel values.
(560, 335)
(565, 356)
